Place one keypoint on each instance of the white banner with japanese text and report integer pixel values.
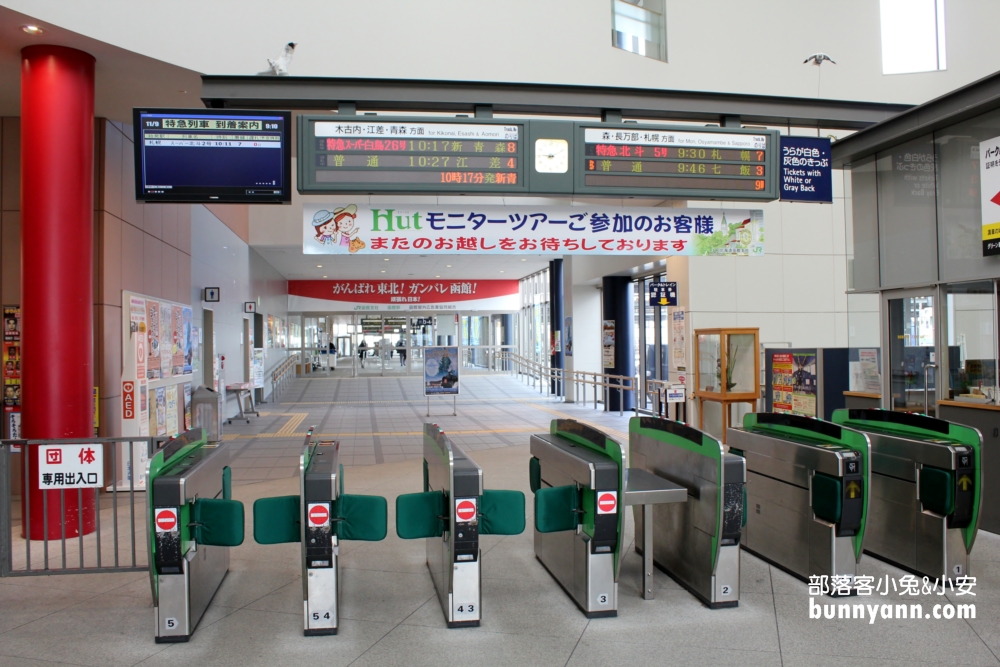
(577, 230)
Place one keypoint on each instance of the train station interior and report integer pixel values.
(344, 333)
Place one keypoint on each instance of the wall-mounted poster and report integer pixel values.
(678, 347)
(258, 367)
(270, 331)
(173, 416)
(568, 328)
(187, 406)
(195, 349)
(177, 365)
(166, 339)
(12, 361)
(441, 371)
(608, 343)
(793, 381)
(187, 340)
(161, 411)
(153, 339)
(138, 334)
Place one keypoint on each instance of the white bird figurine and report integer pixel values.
(279, 66)
(818, 58)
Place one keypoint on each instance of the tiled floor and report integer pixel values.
(391, 614)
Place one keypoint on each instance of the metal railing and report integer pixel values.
(487, 357)
(606, 382)
(282, 375)
(549, 381)
(117, 543)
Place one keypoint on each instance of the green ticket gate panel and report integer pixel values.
(697, 542)
(319, 518)
(191, 526)
(807, 492)
(450, 514)
(926, 490)
(578, 517)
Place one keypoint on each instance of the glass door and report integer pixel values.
(421, 335)
(394, 345)
(912, 345)
(369, 345)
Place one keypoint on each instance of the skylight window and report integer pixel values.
(912, 36)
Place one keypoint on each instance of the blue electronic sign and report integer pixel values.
(663, 294)
(806, 169)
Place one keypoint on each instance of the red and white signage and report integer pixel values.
(319, 514)
(607, 502)
(406, 295)
(70, 466)
(465, 509)
(128, 399)
(165, 519)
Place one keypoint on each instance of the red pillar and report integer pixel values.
(57, 209)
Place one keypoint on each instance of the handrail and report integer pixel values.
(660, 387)
(536, 372)
(607, 382)
(281, 375)
(494, 356)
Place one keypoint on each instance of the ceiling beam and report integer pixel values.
(389, 95)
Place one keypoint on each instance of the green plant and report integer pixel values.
(730, 365)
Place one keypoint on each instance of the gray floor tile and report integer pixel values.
(605, 652)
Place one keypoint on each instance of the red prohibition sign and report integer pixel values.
(466, 510)
(318, 515)
(166, 520)
(607, 502)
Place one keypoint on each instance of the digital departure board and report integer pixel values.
(378, 154)
(714, 163)
(210, 155)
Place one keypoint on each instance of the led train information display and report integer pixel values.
(368, 155)
(208, 155)
(710, 164)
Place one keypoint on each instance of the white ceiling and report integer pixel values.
(292, 264)
(123, 79)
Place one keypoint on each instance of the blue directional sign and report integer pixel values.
(663, 294)
(806, 169)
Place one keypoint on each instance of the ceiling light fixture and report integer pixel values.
(385, 259)
(383, 270)
(319, 266)
(324, 276)
(32, 29)
(448, 265)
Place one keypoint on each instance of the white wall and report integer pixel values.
(714, 45)
(219, 258)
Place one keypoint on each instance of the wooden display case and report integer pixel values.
(726, 370)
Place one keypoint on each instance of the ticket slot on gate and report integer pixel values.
(451, 514)
(808, 487)
(576, 473)
(192, 523)
(697, 542)
(319, 517)
(926, 488)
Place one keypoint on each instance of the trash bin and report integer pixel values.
(207, 406)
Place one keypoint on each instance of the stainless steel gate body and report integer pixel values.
(901, 529)
(784, 454)
(696, 542)
(454, 558)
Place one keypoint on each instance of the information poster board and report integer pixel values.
(608, 343)
(794, 383)
(441, 368)
(806, 169)
(989, 187)
(678, 344)
(12, 369)
(258, 367)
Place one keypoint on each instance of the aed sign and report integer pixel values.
(662, 294)
(806, 170)
(607, 502)
(128, 399)
(70, 466)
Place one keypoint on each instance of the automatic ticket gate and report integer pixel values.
(192, 523)
(319, 517)
(807, 492)
(926, 477)
(696, 542)
(577, 477)
(451, 513)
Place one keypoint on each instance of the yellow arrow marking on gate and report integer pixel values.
(964, 482)
(853, 489)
